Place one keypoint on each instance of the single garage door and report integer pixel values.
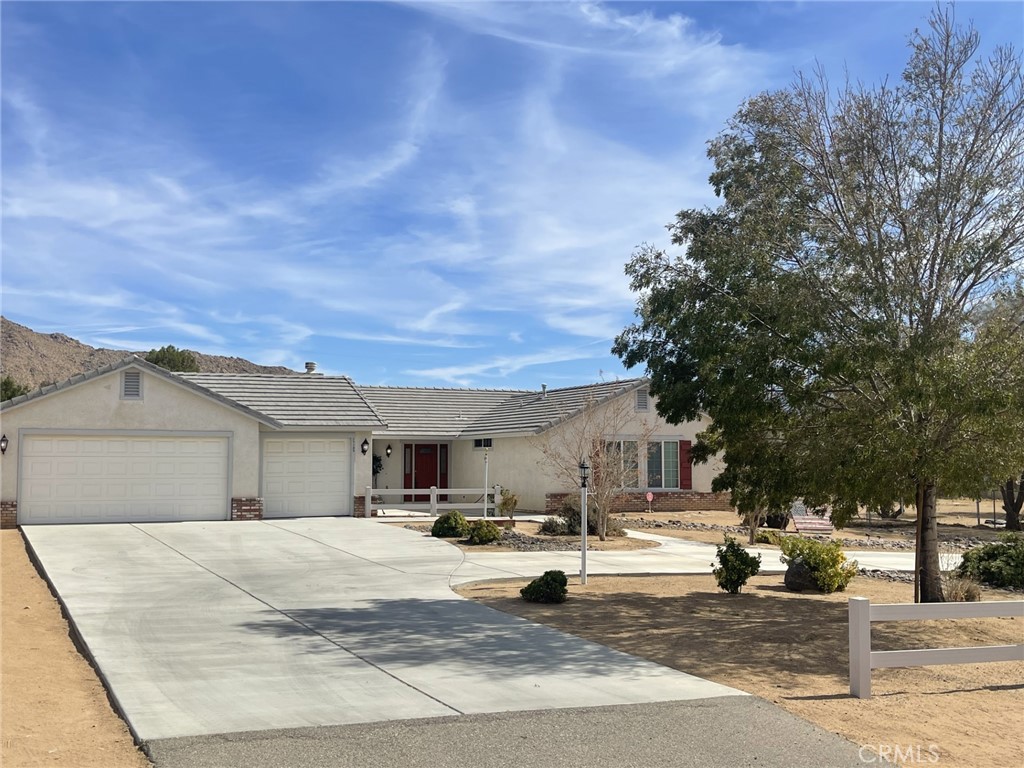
(306, 477)
(117, 479)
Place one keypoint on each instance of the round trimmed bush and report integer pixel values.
(736, 565)
(484, 532)
(450, 525)
(997, 564)
(548, 588)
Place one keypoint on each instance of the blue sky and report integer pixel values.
(416, 194)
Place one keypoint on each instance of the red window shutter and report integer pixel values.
(685, 466)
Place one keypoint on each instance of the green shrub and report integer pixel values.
(450, 525)
(569, 511)
(554, 526)
(736, 565)
(549, 588)
(829, 566)
(484, 532)
(998, 564)
(768, 537)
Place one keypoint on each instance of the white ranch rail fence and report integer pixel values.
(482, 498)
(862, 659)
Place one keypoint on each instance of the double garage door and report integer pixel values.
(127, 478)
(118, 478)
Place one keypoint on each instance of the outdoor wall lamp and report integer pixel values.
(364, 446)
(387, 451)
(3, 444)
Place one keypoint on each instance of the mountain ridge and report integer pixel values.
(34, 359)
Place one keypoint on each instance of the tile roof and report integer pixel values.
(309, 400)
(434, 412)
(539, 411)
(134, 361)
(485, 412)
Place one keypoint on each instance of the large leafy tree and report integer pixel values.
(834, 315)
(173, 359)
(9, 388)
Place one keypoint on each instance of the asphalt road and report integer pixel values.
(728, 732)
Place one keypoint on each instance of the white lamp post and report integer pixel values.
(584, 474)
(485, 482)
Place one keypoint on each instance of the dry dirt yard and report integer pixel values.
(791, 649)
(957, 520)
(55, 711)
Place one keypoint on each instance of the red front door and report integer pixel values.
(424, 470)
(424, 465)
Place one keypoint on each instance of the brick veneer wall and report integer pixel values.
(247, 509)
(8, 514)
(664, 501)
(359, 506)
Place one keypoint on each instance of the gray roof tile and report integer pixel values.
(295, 401)
(485, 412)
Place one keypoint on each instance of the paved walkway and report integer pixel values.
(207, 628)
(672, 556)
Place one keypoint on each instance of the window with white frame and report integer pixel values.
(662, 463)
(623, 456)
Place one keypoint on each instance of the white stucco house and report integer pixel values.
(132, 442)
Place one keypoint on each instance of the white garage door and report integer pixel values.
(117, 479)
(306, 477)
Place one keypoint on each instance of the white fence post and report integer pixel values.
(433, 500)
(860, 647)
(367, 511)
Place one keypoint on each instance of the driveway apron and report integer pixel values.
(204, 628)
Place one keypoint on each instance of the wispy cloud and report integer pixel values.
(483, 190)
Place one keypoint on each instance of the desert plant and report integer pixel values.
(554, 526)
(548, 588)
(569, 511)
(768, 537)
(998, 564)
(484, 532)
(508, 503)
(736, 565)
(450, 525)
(960, 589)
(831, 571)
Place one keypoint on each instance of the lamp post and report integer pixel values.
(584, 474)
(485, 481)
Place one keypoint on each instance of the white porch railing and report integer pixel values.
(478, 497)
(863, 659)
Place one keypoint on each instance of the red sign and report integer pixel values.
(650, 496)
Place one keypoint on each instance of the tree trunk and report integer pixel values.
(752, 520)
(928, 579)
(1012, 502)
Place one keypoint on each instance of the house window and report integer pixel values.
(643, 400)
(131, 385)
(663, 464)
(668, 464)
(480, 443)
(623, 457)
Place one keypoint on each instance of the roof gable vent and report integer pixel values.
(643, 400)
(131, 385)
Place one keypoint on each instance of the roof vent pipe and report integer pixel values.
(310, 367)
(543, 390)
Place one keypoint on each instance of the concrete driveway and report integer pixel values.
(206, 628)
